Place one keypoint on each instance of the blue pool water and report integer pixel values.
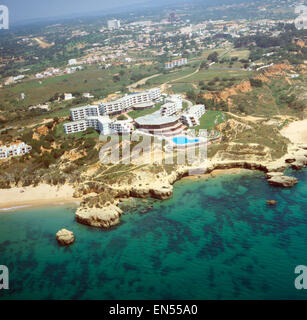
(184, 140)
(214, 239)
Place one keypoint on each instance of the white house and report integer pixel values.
(71, 62)
(68, 96)
(87, 95)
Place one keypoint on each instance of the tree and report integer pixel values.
(204, 65)
(191, 95)
(116, 78)
(255, 82)
(213, 56)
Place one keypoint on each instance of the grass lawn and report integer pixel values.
(140, 113)
(210, 74)
(240, 53)
(177, 73)
(210, 119)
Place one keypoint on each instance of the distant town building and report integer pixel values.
(14, 150)
(172, 18)
(71, 62)
(176, 63)
(301, 20)
(113, 24)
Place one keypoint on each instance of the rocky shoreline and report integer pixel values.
(100, 205)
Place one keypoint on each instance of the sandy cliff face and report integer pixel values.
(99, 208)
(224, 95)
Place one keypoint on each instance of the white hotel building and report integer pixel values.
(115, 107)
(129, 100)
(191, 117)
(14, 150)
(173, 105)
(103, 124)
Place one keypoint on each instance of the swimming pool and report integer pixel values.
(184, 140)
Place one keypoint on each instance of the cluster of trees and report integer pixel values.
(256, 83)
(283, 45)
(213, 57)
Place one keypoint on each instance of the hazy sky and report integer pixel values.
(33, 9)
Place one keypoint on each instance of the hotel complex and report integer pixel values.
(96, 116)
(168, 121)
(176, 63)
(14, 150)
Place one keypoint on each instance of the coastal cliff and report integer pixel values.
(99, 207)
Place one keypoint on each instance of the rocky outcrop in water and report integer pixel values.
(65, 237)
(274, 174)
(283, 181)
(105, 217)
(299, 163)
(271, 202)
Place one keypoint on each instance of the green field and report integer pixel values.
(94, 80)
(210, 119)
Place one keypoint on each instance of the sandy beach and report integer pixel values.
(42, 195)
(296, 131)
(216, 173)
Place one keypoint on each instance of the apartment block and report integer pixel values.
(14, 150)
(191, 117)
(176, 63)
(128, 101)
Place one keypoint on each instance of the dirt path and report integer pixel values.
(142, 81)
(247, 118)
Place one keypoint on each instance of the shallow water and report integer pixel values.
(215, 239)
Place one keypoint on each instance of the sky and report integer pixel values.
(21, 10)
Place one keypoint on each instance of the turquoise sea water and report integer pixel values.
(215, 239)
